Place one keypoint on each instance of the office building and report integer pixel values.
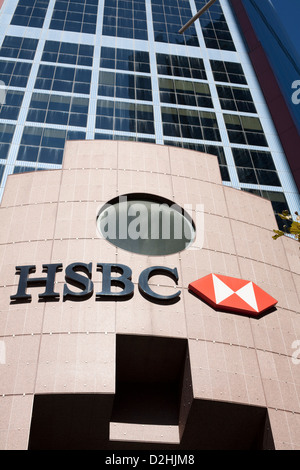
(127, 323)
(276, 63)
(120, 70)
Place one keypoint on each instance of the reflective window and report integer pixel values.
(230, 72)
(57, 109)
(214, 27)
(168, 18)
(255, 167)
(6, 136)
(124, 85)
(67, 79)
(30, 13)
(15, 74)
(42, 145)
(11, 109)
(125, 59)
(185, 93)
(2, 168)
(23, 169)
(190, 124)
(245, 130)
(132, 138)
(236, 99)
(75, 15)
(18, 48)
(127, 117)
(125, 19)
(180, 66)
(68, 53)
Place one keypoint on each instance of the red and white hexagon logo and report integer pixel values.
(232, 295)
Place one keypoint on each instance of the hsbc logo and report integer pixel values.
(232, 294)
(221, 292)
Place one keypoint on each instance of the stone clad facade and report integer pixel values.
(65, 364)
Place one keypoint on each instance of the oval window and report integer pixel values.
(146, 224)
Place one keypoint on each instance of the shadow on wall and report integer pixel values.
(153, 387)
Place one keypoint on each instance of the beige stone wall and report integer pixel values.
(66, 347)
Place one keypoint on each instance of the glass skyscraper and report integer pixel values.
(281, 52)
(116, 69)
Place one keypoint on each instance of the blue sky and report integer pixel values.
(289, 13)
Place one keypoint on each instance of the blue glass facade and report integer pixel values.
(282, 54)
(102, 69)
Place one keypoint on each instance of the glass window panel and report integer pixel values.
(74, 16)
(78, 120)
(237, 137)
(86, 50)
(125, 110)
(51, 155)
(105, 108)
(256, 139)
(251, 124)
(126, 125)
(28, 153)
(262, 160)
(46, 71)
(51, 46)
(36, 115)
(4, 149)
(232, 122)
(2, 167)
(169, 115)
(107, 78)
(104, 122)
(43, 84)
(242, 157)
(76, 135)
(145, 112)
(6, 132)
(53, 138)
(32, 136)
(59, 85)
(247, 175)
(67, 59)
(59, 103)
(82, 88)
(246, 107)
(83, 75)
(57, 117)
(79, 105)
(171, 129)
(268, 178)
(64, 73)
(224, 173)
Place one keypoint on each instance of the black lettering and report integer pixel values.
(25, 281)
(76, 279)
(146, 290)
(123, 281)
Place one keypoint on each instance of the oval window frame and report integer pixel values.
(134, 247)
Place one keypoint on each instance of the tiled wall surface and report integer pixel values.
(69, 347)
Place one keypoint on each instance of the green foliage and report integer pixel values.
(293, 227)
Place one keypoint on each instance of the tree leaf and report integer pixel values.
(295, 228)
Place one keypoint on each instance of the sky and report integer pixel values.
(289, 13)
